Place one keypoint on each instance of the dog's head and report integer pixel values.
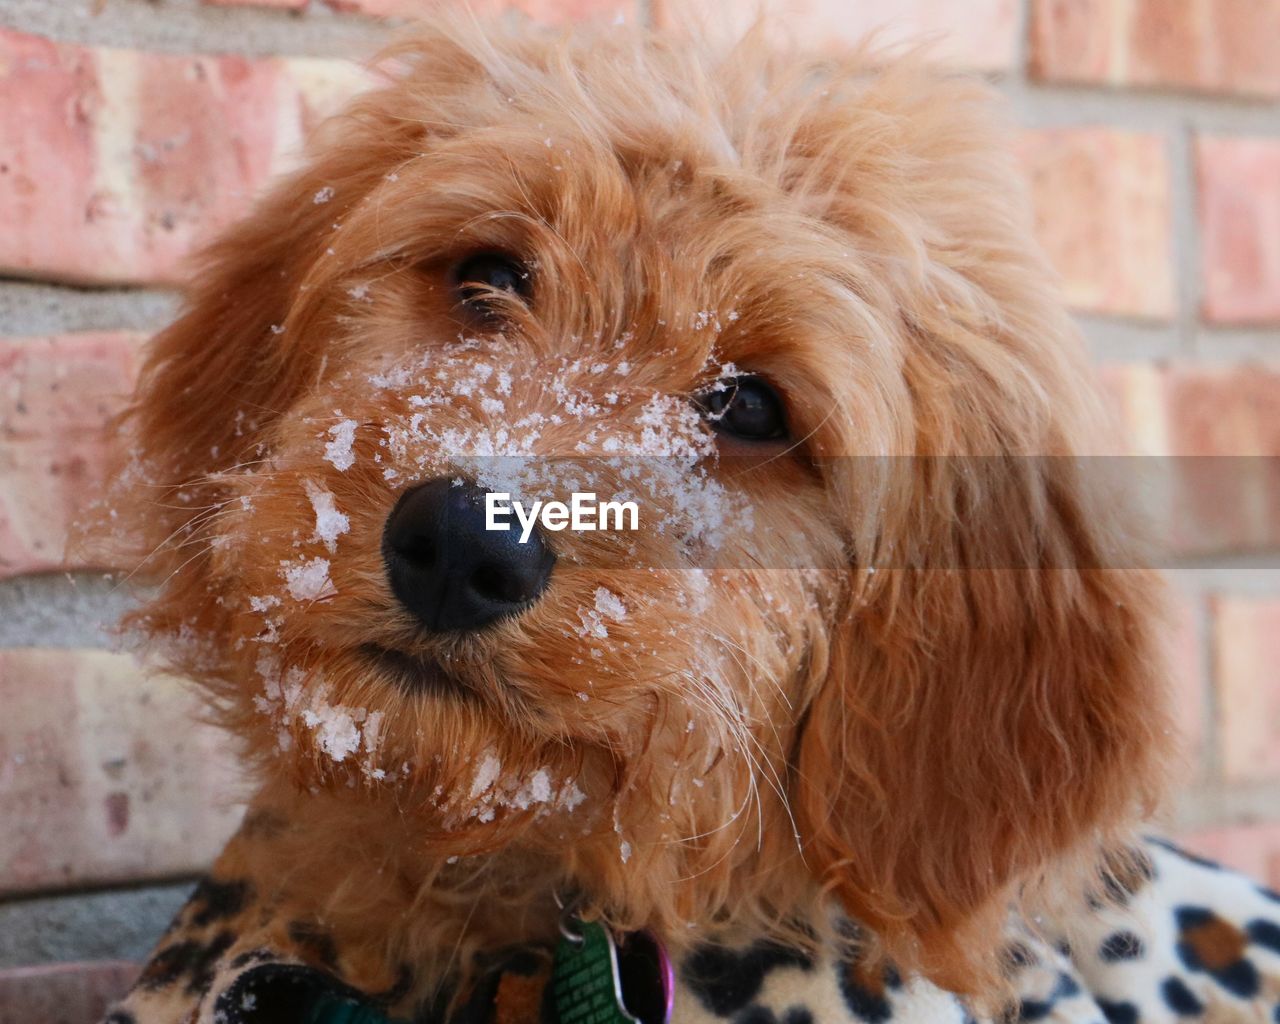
(866, 641)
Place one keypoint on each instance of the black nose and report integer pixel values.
(450, 571)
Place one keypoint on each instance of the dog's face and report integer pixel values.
(726, 290)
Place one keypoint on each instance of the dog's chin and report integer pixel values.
(415, 673)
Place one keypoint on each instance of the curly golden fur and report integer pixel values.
(920, 684)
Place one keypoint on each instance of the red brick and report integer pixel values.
(1246, 658)
(70, 993)
(1225, 426)
(1194, 410)
(977, 33)
(56, 395)
(65, 386)
(191, 175)
(1253, 849)
(1102, 211)
(1210, 481)
(1239, 207)
(119, 162)
(1072, 39)
(46, 490)
(46, 135)
(104, 775)
(1208, 45)
(1232, 410)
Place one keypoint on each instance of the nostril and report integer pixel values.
(495, 584)
(419, 549)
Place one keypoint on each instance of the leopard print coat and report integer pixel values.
(1188, 941)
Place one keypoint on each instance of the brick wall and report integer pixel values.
(130, 129)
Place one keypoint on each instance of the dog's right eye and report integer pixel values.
(484, 281)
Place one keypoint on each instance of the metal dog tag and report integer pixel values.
(593, 982)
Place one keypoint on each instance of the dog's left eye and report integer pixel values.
(483, 280)
(746, 407)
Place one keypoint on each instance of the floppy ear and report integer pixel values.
(994, 702)
(979, 726)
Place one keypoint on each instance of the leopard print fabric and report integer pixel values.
(1185, 941)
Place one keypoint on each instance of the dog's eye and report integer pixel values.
(746, 407)
(483, 280)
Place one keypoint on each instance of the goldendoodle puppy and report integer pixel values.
(842, 692)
